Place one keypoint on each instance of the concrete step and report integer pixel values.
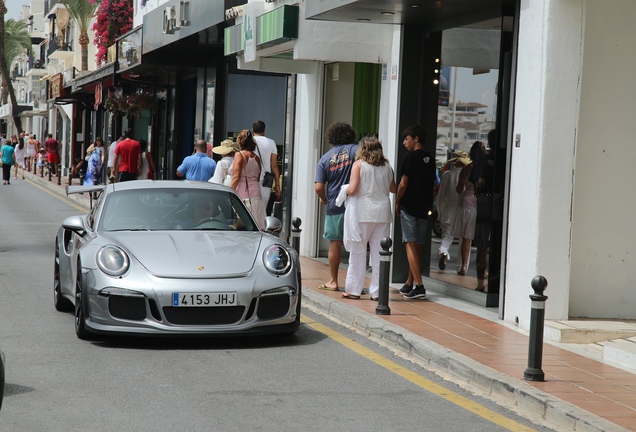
(588, 331)
(621, 351)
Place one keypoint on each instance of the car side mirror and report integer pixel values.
(273, 225)
(75, 224)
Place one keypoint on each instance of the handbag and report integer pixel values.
(246, 201)
(268, 179)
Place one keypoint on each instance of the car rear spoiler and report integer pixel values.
(82, 189)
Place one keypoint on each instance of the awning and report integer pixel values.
(34, 113)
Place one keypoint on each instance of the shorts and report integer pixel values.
(413, 229)
(334, 227)
(54, 158)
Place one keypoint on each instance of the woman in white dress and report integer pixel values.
(372, 181)
(147, 170)
(20, 155)
(32, 148)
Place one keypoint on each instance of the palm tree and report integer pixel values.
(17, 41)
(82, 11)
(4, 68)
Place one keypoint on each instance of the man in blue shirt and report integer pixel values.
(199, 166)
(333, 171)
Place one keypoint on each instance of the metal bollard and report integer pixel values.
(59, 174)
(537, 317)
(295, 233)
(385, 263)
(50, 167)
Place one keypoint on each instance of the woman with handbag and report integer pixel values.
(246, 173)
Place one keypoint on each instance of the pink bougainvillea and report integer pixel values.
(114, 18)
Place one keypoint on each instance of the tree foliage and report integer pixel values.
(82, 12)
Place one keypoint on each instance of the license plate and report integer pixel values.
(188, 299)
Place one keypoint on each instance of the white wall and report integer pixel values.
(306, 154)
(546, 117)
(603, 237)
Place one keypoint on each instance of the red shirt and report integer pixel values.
(128, 151)
(51, 145)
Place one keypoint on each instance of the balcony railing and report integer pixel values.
(54, 46)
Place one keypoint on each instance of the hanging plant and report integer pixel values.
(131, 104)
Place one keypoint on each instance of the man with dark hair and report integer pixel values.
(127, 157)
(52, 146)
(333, 171)
(198, 166)
(413, 201)
(268, 154)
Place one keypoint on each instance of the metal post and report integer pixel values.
(537, 317)
(295, 233)
(385, 263)
(50, 167)
(59, 174)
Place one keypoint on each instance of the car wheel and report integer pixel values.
(60, 303)
(80, 325)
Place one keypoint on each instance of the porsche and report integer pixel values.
(174, 258)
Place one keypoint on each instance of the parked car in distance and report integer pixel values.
(174, 258)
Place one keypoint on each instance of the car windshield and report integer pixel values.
(175, 209)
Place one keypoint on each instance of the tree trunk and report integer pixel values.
(4, 70)
(83, 41)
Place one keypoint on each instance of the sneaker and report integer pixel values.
(406, 289)
(418, 292)
(442, 261)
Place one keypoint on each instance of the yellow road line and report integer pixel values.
(416, 379)
(58, 196)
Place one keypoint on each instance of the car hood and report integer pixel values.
(192, 253)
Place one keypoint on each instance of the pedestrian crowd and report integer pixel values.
(355, 182)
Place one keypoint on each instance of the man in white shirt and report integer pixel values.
(269, 157)
(111, 160)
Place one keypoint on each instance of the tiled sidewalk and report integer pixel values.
(600, 389)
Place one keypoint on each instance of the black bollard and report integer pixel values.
(295, 233)
(537, 317)
(50, 167)
(59, 174)
(385, 264)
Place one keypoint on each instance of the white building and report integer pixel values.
(563, 156)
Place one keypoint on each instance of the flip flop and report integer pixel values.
(326, 288)
(350, 296)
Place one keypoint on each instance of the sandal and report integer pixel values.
(350, 296)
(326, 288)
(461, 271)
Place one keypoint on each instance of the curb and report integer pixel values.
(563, 415)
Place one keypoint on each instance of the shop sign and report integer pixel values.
(55, 86)
(249, 28)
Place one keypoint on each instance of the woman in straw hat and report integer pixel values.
(227, 149)
(448, 203)
(466, 216)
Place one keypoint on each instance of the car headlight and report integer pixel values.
(277, 260)
(112, 260)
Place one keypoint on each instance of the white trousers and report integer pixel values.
(265, 194)
(447, 239)
(372, 233)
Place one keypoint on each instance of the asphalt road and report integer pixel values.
(326, 377)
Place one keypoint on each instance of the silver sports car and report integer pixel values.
(174, 258)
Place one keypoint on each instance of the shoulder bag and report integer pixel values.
(268, 177)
